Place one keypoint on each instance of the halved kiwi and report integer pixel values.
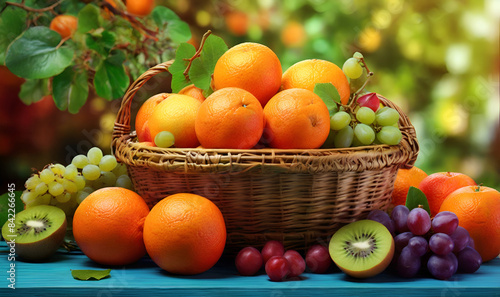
(37, 232)
(362, 249)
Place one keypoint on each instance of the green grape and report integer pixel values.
(80, 182)
(55, 189)
(365, 115)
(343, 138)
(45, 199)
(47, 176)
(81, 195)
(41, 188)
(91, 172)
(63, 198)
(120, 169)
(124, 181)
(70, 172)
(164, 139)
(107, 179)
(356, 142)
(88, 189)
(70, 186)
(340, 120)
(352, 68)
(27, 197)
(32, 182)
(356, 84)
(389, 135)
(364, 134)
(58, 169)
(108, 163)
(358, 55)
(80, 161)
(94, 155)
(386, 116)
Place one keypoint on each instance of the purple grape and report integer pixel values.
(418, 246)
(442, 266)
(419, 221)
(297, 263)
(471, 243)
(383, 218)
(277, 268)
(249, 261)
(401, 240)
(460, 239)
(441, 244)
(318, 258)
(445, 222)
(400, 216)
(408, 263)
(469, 260)
(272, 248)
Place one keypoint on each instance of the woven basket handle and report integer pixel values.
(122, 123)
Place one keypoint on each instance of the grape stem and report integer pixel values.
(197, 54)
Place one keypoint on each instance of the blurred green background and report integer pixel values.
(438, 60)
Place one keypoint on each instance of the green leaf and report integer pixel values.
(179, 31)
(12, 24)
(70, 90)
(329, 94)
(36, 54)
(33, 90)
(102, 43)
(89, 18)
(416, 198)
(203, 67)
(111, 80)
(5, 200)
(90, 274)
(184, 51)
(163, 15)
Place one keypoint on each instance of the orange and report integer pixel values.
(237, 22)
(194, 92)
(250, 66)
(140, 7)
(230, 118)
(65, 25)
(108, 226)
(439, 185)
(176, 115)
(478, 211)
(293, 34)
(146, 110)
(185, 234)
(405, 179)
(306, 74)
(296, 119)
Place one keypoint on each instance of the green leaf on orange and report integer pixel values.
(37, 54)
(416, 198)
(329, 94)
(70, 90)
(203, 67)
(184, 52)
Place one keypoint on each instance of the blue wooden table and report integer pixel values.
(145, 278)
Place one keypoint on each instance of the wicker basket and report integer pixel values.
(299, 197)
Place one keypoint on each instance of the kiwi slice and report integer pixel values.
(37, 232)
(362, 249)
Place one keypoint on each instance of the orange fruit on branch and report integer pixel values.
(478, 211)
(230, 118)
(185, 234)
(296, 119)
(405, 179)
(64, 24)
(108, 226)
(250, 66)
(140, 7)
(306, 74)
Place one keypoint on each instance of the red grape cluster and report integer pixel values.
(439, 245)
(280, 265)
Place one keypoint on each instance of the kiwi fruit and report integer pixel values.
(37, 232)
(362, 249)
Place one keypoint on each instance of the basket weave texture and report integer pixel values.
(299, 197)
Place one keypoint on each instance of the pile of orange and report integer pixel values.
(253, 102)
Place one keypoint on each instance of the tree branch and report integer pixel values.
(30, 9)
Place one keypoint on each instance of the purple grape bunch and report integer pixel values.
(438, 245)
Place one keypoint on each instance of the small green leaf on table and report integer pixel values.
(90, 274)
(33, 90)
(12, 24)
(168, 21)
(184, 52)
(111, 80)
(89, 18)
(329, 94)
(37, 54)
(203, 67)
(416, 198)
(70, 90)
